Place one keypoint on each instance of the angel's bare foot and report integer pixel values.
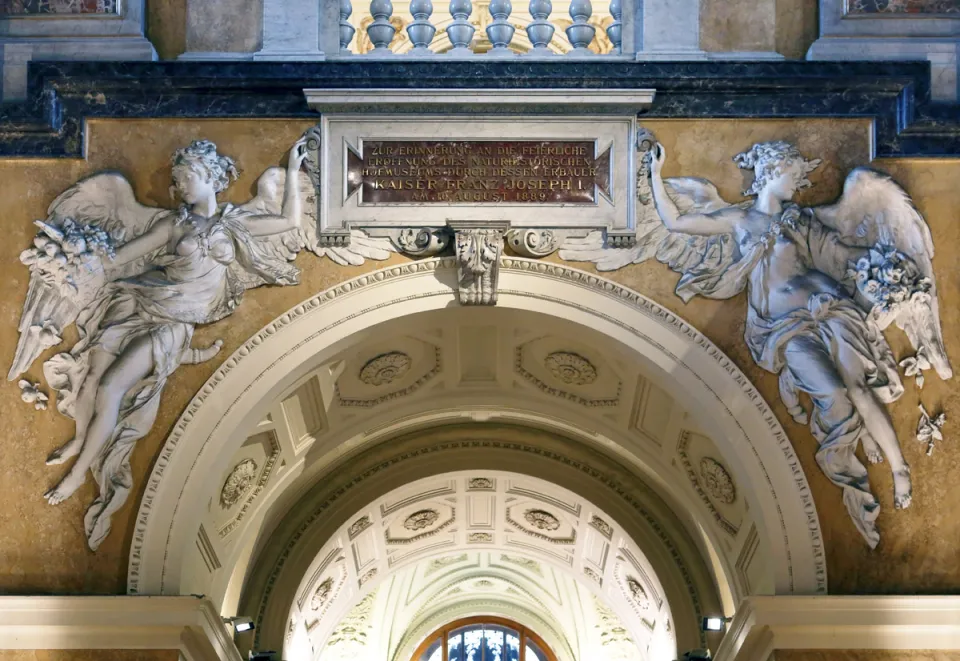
(872, 450)
(69, 449)
(68, 485)
(902, 489)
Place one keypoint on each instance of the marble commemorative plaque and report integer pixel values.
(561, 172)
(478, 171)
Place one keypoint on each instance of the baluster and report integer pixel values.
(581, 32)
(615, 29)
(346, 30)
(540, 30)
(421, 31)
(381, 31)
(500, 32)
(460, 31)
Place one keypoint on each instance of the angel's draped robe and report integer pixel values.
(804, 345)
(200, 279)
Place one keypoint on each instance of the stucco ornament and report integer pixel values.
(930, 429)
(637, 594)
(717, 481)
(321, 595)
(421, 519)
(916, 365)
(571, 368)
(385, 368)
(541, 519)
(478, 262)
(30, 393)
(137, 280)
(822, 283)
(238, 482)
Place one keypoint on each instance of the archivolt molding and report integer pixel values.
(428, 285)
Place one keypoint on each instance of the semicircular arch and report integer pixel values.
(747, 432)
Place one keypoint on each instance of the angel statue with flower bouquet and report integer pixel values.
(822, 283)
(137, 280)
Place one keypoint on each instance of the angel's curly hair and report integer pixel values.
(767, 160)
(202, 157)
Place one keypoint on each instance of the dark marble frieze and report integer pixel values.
(896, 94)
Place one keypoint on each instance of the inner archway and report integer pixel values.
(267, 404)
(491, 636)
(480, 543)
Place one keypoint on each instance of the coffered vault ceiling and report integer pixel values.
(473, 365)
(485, 542)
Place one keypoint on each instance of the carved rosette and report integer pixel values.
(421, 519)
(368, 576)
(321, 595)
(541, 519)
(717, 481)
(605, 528)
(385, 368)
(637, 594)
(238, 483)
(480, 483)
(532, 242)
(358, 526)
(570, 368)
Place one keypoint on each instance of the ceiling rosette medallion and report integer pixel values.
(385, 368)
(571, 368)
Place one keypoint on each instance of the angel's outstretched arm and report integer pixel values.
(721, 221)
(153, 239)
(290, 214)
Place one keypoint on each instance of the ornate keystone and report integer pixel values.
(478, 248)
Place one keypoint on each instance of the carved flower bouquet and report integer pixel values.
(69, 258)
(888, 280)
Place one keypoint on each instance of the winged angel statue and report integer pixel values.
(822, 283)
(137, 280)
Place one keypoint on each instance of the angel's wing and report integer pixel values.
(100, 208)
(286, 246)
(678, 251)
(876, 214)
(107, 201)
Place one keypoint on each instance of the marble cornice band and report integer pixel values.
(64, 94)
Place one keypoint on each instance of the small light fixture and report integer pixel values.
(714, 623)
(240, 624)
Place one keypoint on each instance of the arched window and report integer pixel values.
(483, 639)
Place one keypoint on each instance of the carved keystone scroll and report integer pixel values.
(478, 248)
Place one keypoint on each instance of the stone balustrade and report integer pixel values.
(492, 29)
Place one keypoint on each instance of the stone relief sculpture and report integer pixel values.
(137, 280)
(822, 283)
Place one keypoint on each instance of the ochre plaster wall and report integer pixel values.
(167, 27)
(785, 26)
(866, 655)
(44, 550)
(89, 655)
